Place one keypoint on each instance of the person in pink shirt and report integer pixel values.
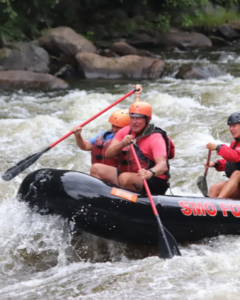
(230, 162)
(151, 145)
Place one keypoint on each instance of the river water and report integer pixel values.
(41, 257)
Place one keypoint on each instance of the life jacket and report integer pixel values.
(127, 162)
(171, 149)
(99, 149)
(230, 167)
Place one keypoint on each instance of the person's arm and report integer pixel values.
(160, 168)
(82, 144)
(116, 146)
(138, 93)
(157, 146)
(161, 165)
(232, 155)
(219, 165)
(227, 153)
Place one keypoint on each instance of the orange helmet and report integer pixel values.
(120, 118)
(140, 109)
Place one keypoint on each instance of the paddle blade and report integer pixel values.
(202, 185)
(22, 165)
(167, 245)
(172, 244)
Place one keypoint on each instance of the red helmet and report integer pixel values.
(140, 109)
(120, 118)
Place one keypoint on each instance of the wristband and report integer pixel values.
(218, 147)
(153, 172)
(215, 164)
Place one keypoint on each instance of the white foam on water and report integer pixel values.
(40, 259)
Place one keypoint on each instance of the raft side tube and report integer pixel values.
(89, 202)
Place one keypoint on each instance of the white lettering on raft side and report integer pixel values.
(123, 194)
(208, 208)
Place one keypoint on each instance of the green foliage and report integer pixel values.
(209, 21)
(8, 28)
(10, 32)
(127, 27)
(163, 23)
(6, 8)
(90, 35)
(187, 21)
(27, 20)
(22, 20)
(183, 3)
(164, 20)
(226, 3)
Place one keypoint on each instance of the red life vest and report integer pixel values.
(99, 149)
(230, 167)
(127, 162)
(171, 150)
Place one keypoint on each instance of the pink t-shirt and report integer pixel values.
(151, 146)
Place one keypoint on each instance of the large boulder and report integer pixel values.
(235, 25)
(217, 41)
(65, 40)
(141, 40)
(26, 79)
(129, 66)
(24, 56)
(227, 32)
(182, 40)
(122, 48)
(197, 72)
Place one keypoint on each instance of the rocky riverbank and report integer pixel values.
(64, 53)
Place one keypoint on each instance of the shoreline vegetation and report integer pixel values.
(103, 39)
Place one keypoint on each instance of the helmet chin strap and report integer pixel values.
(147, 122)
(145, 127)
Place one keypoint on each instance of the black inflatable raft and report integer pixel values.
(111, 212)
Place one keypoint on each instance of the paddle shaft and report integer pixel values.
(92, 118)
(208, 161)
(25, 163)
(161, 229)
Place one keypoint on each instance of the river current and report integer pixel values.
(41, 257)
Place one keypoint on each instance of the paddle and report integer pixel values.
(25, 163)
(168, 247)
(202, 180)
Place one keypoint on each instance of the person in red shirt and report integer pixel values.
(230, 162)
(151, 145)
